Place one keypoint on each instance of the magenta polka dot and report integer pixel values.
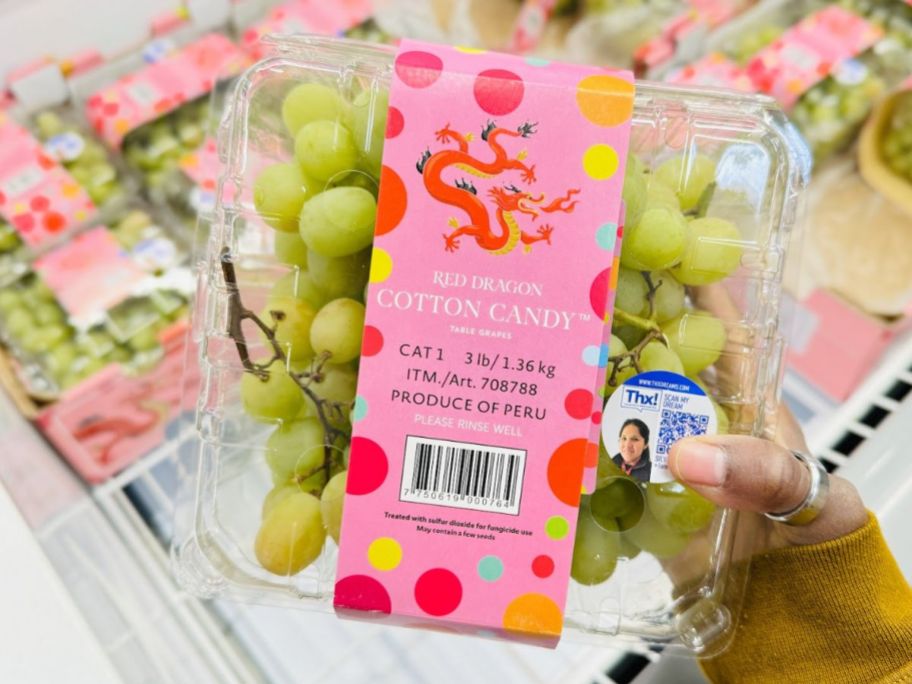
(362, 593)
(39, 203)
(372, 341)
(597, 417)
(367, 467)
(24, 222)
(578, 404)
(110, 108)
(395, 122)
(438, 592)
(418, 69)
(598, 292)
(498, 91)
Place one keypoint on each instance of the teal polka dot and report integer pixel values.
(537, 61)
(490, 568)
(606, 236)
(360, 409)
(557, 527)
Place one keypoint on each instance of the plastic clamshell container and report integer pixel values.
(690, 602)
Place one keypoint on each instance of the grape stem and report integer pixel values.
(633, 354)
(623, 318)
(237, 314)
(651, 289)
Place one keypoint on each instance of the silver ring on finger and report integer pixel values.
(807, 511)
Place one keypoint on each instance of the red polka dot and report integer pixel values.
(53, 221)
(2, 197)
(498, 91)
(367, 466)
(95, 101)
(392, 203)
(598, 292)
(438, 592)
(46, 162)
(542, 566)
(24, 222)
(579, 404)
(39, 203)
(565, 470)
(372, 342)
(591, 459)
(110, 108)
(418, 69)
(362, 593)
(250, 35)
(597, 417)
(395, 122)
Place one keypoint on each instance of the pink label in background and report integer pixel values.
(484, 340)
(163, 86)
(89, 275)
(306, 16)
(37, 196)
(714, 70)
(530, 25)
(202, 166)
(809, 51)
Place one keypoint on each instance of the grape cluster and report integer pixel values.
(322, 207)
(84, 158)
(11, 248)
(896, 144)
(36, 326)
(156, 148)
(673, 242)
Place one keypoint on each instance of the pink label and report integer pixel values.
(809, 51)
(163, 86)
(306, 16)
(202, 166)
(89, 275)
(714, 70)
(530, 25)
(37, 196)
(483, 350)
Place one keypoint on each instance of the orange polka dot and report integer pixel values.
(565, 470)
(590, 460)
(70, 190)
(53, 221)
(533, 614)
(605, 100)
(393, 201)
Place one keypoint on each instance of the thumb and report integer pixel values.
(744, 473)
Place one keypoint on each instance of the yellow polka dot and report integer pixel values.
(384, 554)
(470, 50)
(20, 207)
(189, 161)
(381, 265)
(121, 126)
(605, 100)
(70, 190)
(600, 162)
(80, 214)
(533, 614)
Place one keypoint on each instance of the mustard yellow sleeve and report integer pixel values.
(838, 612)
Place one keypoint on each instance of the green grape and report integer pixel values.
(276, 397)
(9, 300)
(292, 319)
(310, 102)
(58, 360)
(651, 536)
(655, 356)
(296, 451)
(620, 377)
(290, 249)
(337, 385)
(712, 251)
(679, 508)
(669, 296)
(635, 191)
(300, 285)
(279, 192)
(343, 277)
(48, 124)
(595, 549)
(19, 321)
(339, 221)
(42, 339)
(617, 497)
(337, 330)
(660, 195)
(689, 176)
(656, 242)
(616, 347)
(291, 537)
(276, 495)
(630, 335)
(331, 503)
(145, 340)
(325, 149)
(9, 238)
(697, 338)
(631, 292)
(607, 469)
(369, 127)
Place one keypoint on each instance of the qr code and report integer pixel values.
(678, 424)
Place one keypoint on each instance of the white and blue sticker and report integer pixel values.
(661, 407)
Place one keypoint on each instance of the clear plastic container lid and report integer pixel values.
(727, 164)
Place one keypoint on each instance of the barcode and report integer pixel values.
(461, 475)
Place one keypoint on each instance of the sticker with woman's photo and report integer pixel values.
(649, 413)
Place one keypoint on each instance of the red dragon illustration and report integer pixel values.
(508, 200)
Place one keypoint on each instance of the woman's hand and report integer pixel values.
(760, 476)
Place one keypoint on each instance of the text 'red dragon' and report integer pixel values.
(508, 200)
